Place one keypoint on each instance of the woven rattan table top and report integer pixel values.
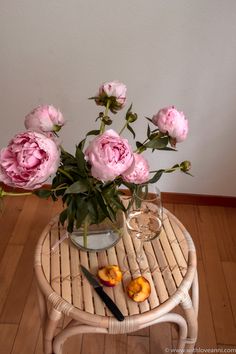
(166, 265)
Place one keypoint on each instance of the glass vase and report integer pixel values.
(99, 237)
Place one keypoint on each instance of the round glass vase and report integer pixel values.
(99, 237)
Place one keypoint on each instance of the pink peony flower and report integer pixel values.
(109, 156)
(44, 119)
(115, 91)
(170, 121)
(28, 160)
(139, 172)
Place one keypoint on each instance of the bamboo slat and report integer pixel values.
(164, 267)
(75, 277)
(98, 304)
(150, 275)
(180, 237)
(170, 258)
(132, 270)
(87, 292)
(160, 288)
(103, 261)
(118, 289)
(123, 263)
(175, 247)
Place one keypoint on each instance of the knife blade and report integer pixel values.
(105, 298)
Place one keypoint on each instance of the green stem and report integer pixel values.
(123, 128)
(102, 126)
(168, 170)
(138, 149)
(59, 188)
(3, 193)
(85, 234)
(65, 173)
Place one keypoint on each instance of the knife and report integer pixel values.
(105, 298)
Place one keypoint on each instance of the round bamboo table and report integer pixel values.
(169, 265)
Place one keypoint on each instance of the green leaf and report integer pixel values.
(80, 186)
(81, 144)
(63, 216)
(150, 120)
(43, 193)
(167, 148)
(156, 177)
(129, 109)
(131, 130)
(81, 211)
(93, 132)
(140, 146)
(102, 205)
(148, 131)
(157, 143)
(81, 163)
(118, 203)
(71, 210)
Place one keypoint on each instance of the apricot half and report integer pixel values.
(110, 275)
(139, 289)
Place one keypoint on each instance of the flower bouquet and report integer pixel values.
(89, 182)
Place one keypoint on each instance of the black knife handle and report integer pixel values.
(110, 304)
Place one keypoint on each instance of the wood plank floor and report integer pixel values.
(213, 230)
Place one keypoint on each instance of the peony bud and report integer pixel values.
(115, 93)
(185, 166)
(172, 122)
(44, 119)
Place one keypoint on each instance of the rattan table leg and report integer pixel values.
(71, 330)
(195, 293)
(173, 317)
(42, 306)
(191, 318)
(50, 329)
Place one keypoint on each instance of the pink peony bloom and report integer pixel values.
(139, 172)
(115, 91)
(109, 156)
(28, 160)
(44, 119)
(170, 121)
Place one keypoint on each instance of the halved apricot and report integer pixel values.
(139, 289)
(110, 275)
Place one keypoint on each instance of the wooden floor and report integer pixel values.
(213, 231)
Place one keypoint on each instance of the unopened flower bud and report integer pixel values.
(131, 117)
(113, 92)
(185, 166)
(107, 120)
(44, 119)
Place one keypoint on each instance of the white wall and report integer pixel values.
(180, 52)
